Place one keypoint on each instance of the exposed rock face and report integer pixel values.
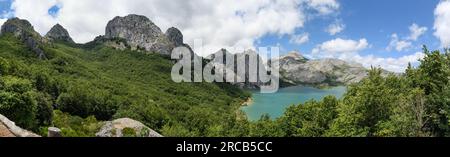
(292, 58)
(126, 127)
(59, 33)
(9, 129)
(140, 33)
(175, 36)
(296, 69)
(23, 30)
(4, 131)
(223, 69)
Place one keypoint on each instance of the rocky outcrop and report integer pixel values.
(175, 36)
(223, 68)
(296, 69)
(126, 127)
(293, 58)
(23, 30)
(9, 128)
(59, 33)
(140, 33)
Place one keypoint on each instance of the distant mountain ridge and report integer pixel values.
(137, 32)
(298, 70)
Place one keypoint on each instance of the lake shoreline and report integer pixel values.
(248, 102)
(275, 104)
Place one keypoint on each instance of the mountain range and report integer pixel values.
(137, 32)
(126, 73)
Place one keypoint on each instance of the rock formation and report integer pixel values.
(140, 33)
(292, 58)
(296, 69)
(23, 30)
(137, 32)
(222, 68)
(59, 33)
(175, 36)
(126, 127)
(9, 129)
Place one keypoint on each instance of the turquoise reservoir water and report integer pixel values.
(276, 103)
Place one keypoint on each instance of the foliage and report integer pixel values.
(129, 132)
(75, 126)
(96, 81)
(414, 104)
(310, 119)
(80, 84)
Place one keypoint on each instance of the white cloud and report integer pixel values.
(340, 46)
(335, 28)
(398, 44)
(349, 50)
(2, 21)
(35, 12)
(442, 22)
(416, 31)
(405, 43)
(299, 39)
(324, 6)
(218, 23)
(391, 64)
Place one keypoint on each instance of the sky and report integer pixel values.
(380, 33)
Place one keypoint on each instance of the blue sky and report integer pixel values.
(374, 20)
(385, 33)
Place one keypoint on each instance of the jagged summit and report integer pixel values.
(223, 68)
(59, 33)
(140, 32)
(175, 36)
(295, 56)
(18, 26)
(132, 31)
(296, 70)
(23, 30)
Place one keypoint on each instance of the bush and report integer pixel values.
(17, 101)
(74, 126)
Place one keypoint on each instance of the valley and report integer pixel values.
(124, 76)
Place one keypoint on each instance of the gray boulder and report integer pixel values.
(9, 128)
(59, 33)
(140, 33)
(126, 127)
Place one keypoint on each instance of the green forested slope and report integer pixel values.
(106, 83)
(80, 85)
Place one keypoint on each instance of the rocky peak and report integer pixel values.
(320, 72)
(140, 33)
(224, 68)
(17, 27)
(175, 36)
(24, 31)
(59, 33)
(293, 57)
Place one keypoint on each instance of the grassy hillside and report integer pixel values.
(100, 83)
